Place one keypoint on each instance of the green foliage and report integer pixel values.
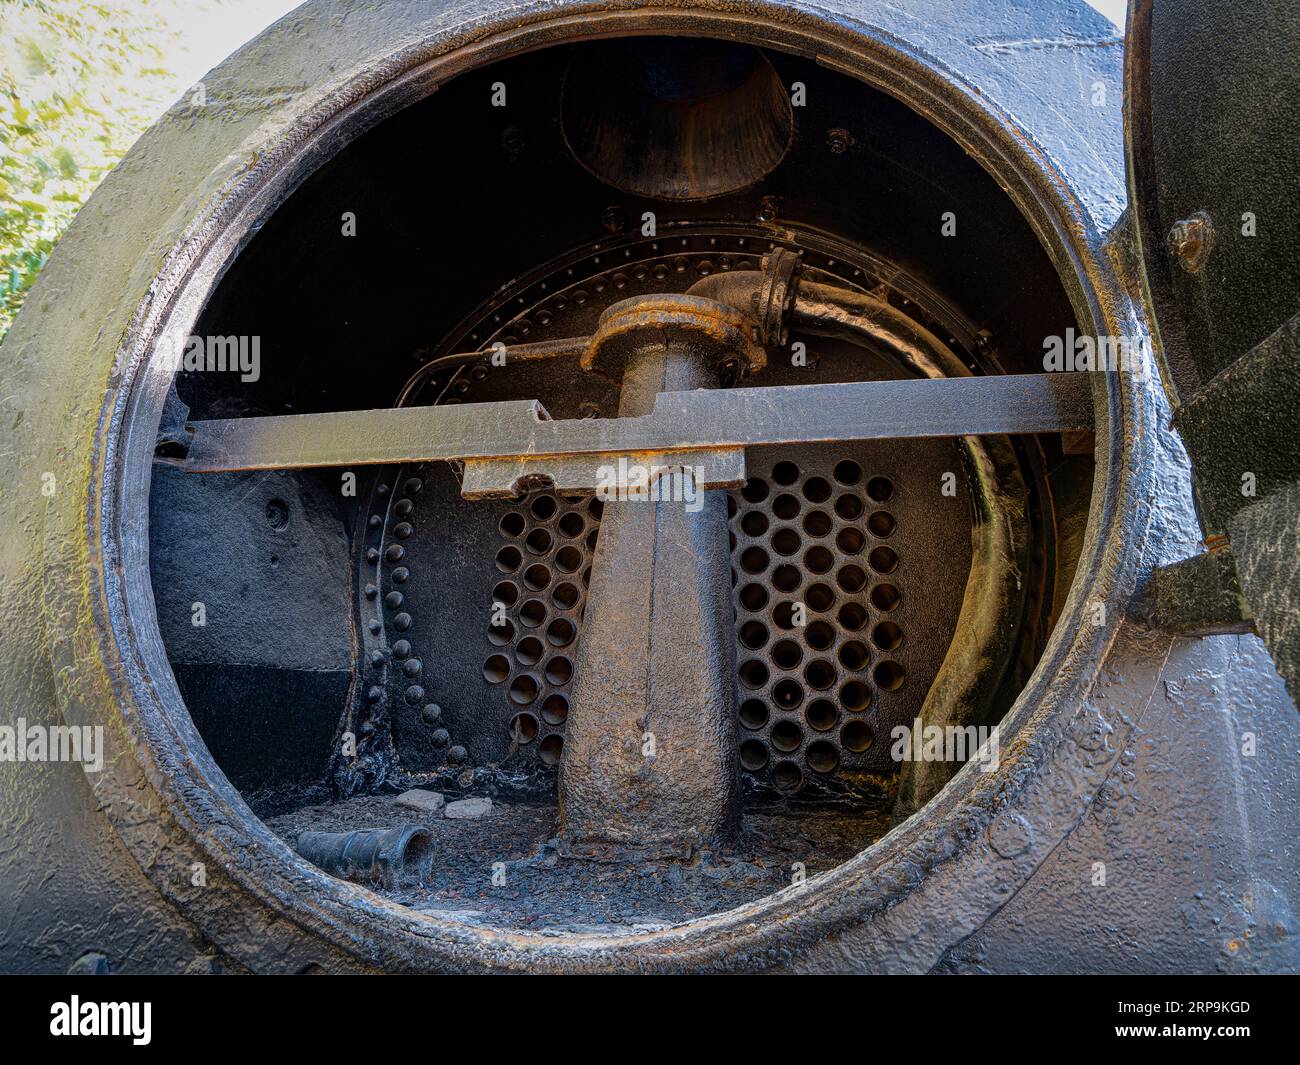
(79, 81)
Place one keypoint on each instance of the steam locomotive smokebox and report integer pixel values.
(652, 537)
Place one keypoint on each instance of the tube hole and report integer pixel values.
(881, 523)
(530, 651)
(887, 636)
(524, 728)
(819, 635)
(753, 673)
(496, 669)
(786, 578)
(855, 736)
(883, 559)
(786, 736)
(785, 473)
(848, 507)
(753, 755)
(855, 696)
(818, 559)
(559, 671)
(568, 559)
(816, 490)
(786, 654)
(885, 597)
(753, 713)
(753, 634)
(786, 542)
(551, 750)
(850, 541)
(523, 689)
(854, 655)
(787, 777)
(880, 489)
(560, 632)
(822, 757)
(889, 676)
(555, 710)
(821, 715)
(785, 507)
(787, 694)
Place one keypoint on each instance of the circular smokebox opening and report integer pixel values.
(787, 775)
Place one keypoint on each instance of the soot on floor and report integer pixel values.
(506, 868)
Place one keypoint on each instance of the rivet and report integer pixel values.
(401, 623)
(401, 649)
(371, 591)
(1190, 240)
(372, 555)
(395, 553)
(431, 713)
(393, 600)
(374, 694)
(412, 666)
(403, 508)
(400, 574)
(839, 141)
(440, 737)
(375, 521)
(457, 754)
(413, 486)
(382, 490)
(402, 530)
(414, 694)
(375, 627)
(377, 659)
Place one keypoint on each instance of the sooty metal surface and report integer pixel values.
(849, 570)
(861, 536)
(480, 606)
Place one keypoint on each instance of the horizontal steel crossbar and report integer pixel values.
(681, 423)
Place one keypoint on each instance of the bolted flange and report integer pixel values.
(714, 332)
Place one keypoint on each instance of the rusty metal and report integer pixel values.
(515, 713)
(651, 760)
(394, 857)
(964, 687)
(680, 423)
(976, 882)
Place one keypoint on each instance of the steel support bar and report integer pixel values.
(680, 422)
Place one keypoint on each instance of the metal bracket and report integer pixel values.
(1199, 596)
